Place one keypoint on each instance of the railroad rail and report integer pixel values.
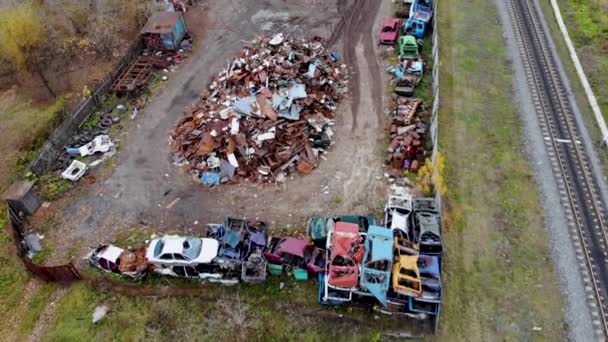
(576, 182)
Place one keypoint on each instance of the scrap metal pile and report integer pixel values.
(407, 133)
(268, 114)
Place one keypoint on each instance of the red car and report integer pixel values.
(345, 245)
(294, 252)
(390, 31)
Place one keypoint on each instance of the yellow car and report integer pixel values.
(406, 276)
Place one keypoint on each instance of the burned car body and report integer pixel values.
(427, 222)
(377, 263)
(430, 274)
(254, 263)
(130, 263)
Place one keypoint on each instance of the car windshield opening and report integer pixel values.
(192, 247)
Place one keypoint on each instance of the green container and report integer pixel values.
(300, 274)
(275, 269)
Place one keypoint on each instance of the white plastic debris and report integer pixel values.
(277, 39)
(234, 126)
(100, 143)
(75, 171)
(100, 312)
(232, 160)
(213, 162)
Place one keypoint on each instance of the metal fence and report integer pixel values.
(60, 274)
(434, 128)
(72, 122)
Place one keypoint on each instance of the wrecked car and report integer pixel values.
(427, 224)
(131, 263)
(406, 276)
(429, 300)
(254, 264)
(345, 253)
(318, 226)
(430, 274)
(190, 257)
(377, 263)
(396, 214)
(407, 85)
(294, 253)
(408, 47)
(389, 32)
(100, 144)
(231, 235)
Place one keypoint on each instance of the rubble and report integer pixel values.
(268, 114)
(406, 148)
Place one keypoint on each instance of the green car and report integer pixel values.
(408, 47)
(318, 226)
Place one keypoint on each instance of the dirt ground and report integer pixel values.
(144, 181)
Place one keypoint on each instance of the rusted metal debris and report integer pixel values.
(266, 115)
(138, 72)
(406, 149)
(134, 77)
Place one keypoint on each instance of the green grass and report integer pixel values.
(35, 307)
(253, 312)
(24, 125)
(13, 277)
(499, 278)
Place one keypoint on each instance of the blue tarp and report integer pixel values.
(210, 178)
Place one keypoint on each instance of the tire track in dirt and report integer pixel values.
(358, 27)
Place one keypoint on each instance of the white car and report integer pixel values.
(397, 213)
(190, 257)
(171, 250)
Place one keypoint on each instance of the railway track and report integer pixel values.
(577, 184)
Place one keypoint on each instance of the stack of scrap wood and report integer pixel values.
(268, 114)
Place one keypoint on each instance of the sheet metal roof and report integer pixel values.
(161, 22)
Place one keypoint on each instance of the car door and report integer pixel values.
(180, 259)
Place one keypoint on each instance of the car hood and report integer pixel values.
(209, 250)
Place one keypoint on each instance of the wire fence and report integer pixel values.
(52, 148)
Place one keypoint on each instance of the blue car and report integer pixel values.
(377, 263)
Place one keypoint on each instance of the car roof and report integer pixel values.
(408, 261)
(293, 246)
(173, 244)
(111, 253)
